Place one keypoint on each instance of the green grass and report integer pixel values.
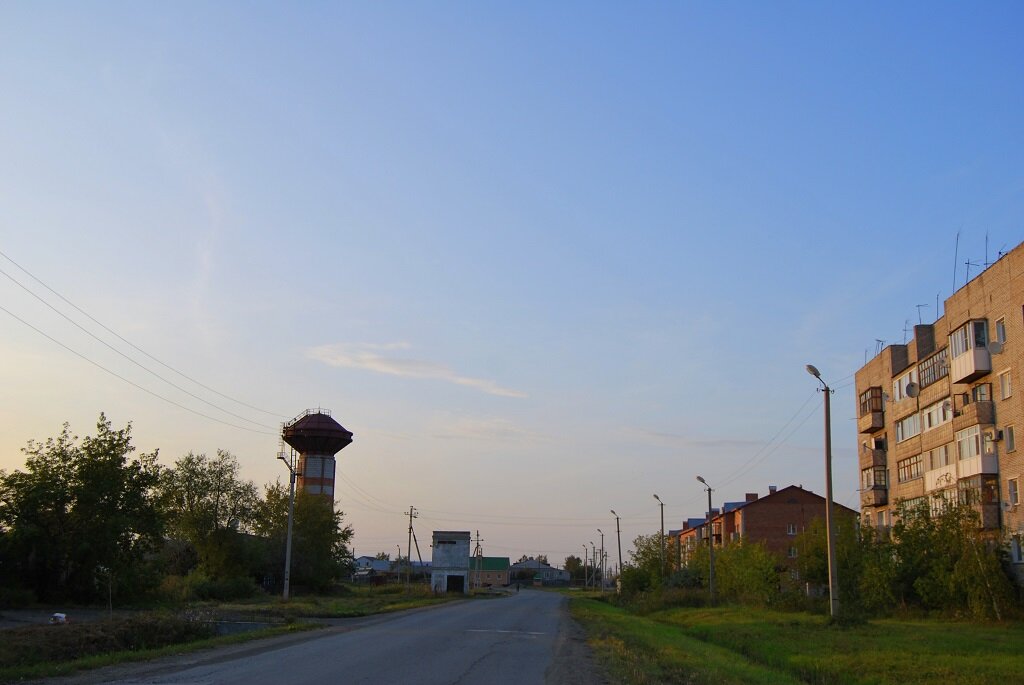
(49, 669)
(357, 601)
(744, 645)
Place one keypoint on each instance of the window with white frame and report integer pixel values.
(982, 392)
(968, 442)
(1011, 442)
(1016, 550)
(908, 427)
(969, 336)
(1000, 330)
(1005, 387)
(934, 415)
(934, 368)
(1013, 491)
(793, 552)
(899, 386)
(938, 457)
(942, 499)
(873, 476)
(790, 529)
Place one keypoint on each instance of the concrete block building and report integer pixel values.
(450, 561)
(937, 416)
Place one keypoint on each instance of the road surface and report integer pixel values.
(521, 639)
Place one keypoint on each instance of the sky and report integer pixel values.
(544, 260)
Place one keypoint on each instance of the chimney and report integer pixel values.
(751, 497)
(772, 489)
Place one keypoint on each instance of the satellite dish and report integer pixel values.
(913, 389)
(995, 347)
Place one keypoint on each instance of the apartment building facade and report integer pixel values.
(937, 417)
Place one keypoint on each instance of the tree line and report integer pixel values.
(928, 561)
(89, 519)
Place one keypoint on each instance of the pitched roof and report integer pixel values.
(489, 563)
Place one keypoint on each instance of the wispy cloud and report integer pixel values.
(383, 359)
(476, 428)
(683, 441)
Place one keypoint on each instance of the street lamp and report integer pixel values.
(618, 536)
(662, 547)
(833, 579)
(586, 573)
(602, 557)
(289, 461)
(711, 544)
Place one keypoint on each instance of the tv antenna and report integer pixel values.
(919, 306)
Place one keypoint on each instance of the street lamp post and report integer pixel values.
(586, 571)
(593, 561)
(662, 547)
(289, 461)
(602, 558)
(711, 544)
(833, 578)
(618, 537)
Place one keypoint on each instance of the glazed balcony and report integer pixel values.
(876, 496)
(974, 363)
(981, 412)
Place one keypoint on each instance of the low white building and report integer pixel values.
(450, 561)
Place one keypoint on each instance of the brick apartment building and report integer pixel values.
(774, 520)
(936, 417)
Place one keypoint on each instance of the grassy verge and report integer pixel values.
(357, 601)
(743, 645)
(49, 668)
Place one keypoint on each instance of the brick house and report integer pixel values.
(488, 571)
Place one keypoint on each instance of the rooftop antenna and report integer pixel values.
(879, 344)
(906, 329)
(956, 252)
(1001, 252)
(987, 263)
(969, 264)
(937, 306)
(919, 312)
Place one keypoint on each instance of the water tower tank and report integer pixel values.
(317, 438)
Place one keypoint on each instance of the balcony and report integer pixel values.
(871, 422)
(973, 363)
(940, 479)
(981, 412)
(983, 463)
(874, 497)
(872, 457)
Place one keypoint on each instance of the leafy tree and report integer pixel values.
(746, 572)
(382, 556)
(812, 561)
(81, 513)
(646, 557)
(574, 566)
(206, 503)
(320, 541)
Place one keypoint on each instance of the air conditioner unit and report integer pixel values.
(997, 434)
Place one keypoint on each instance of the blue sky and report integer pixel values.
(543, 261)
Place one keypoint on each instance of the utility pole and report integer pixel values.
(833, 571)
(586, 571)
(408, 554)
(618, 535)
(662, 546)
(289, 461)
(478, 554)
(602, 558)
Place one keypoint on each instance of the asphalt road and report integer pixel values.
(519, 640)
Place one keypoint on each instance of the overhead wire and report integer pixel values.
(132, 345)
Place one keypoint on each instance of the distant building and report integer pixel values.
(450, 561)
(488, 571)
(774, 520)
(539, 573)
(937, 416)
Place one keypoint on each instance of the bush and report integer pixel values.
(15, 597)
(197, 586)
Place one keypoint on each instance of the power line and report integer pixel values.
(129, 382)
(130, 344)
(117, 351)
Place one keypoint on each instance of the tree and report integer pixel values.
(574, 566)
(320, 540)
(82, 514)
(206, 503)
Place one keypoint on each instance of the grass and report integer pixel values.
(744, 645)
(357, 601)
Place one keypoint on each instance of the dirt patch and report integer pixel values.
(573, 663)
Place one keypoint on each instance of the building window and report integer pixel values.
(790, 529)
(881, 519)
(912, 505)
(1001, 330)
(938, 457)
(793, 552)
(968, 442)
(909, 469)
(1011, 443)
(980, 489)
(1005, 388)
(899, 386)
(937, 414)
(941, 500)
(934, 367)
(1013, 491)
(871, 401)
(908, 427)
(1016, 551)
(969, 336)
(873, 477)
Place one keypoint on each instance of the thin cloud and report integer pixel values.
(380, 359)
(488, 429)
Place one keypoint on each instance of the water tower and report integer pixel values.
(317, 438)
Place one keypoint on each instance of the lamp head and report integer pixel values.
(657, 498)
(701, 479)
(600, 531)
(813, 370)
(614, 514)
